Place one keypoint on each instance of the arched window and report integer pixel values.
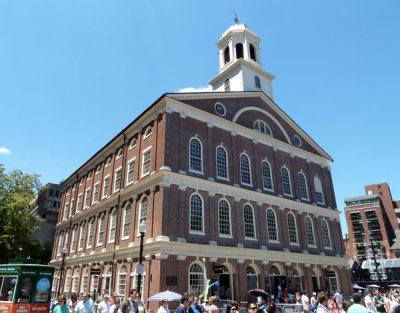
(143, 211)
(85, 279)
(196, 214)
(292, 228)
(297, 280)
(252, 53)
(303, 186)
(251, 277)
(262, 127)
(67, 283)
(196, 279)
(127, 222)
(266, 175)
(325, 234)
(133, 143)
(122, 281)
(227, 56)
(309, 231)
(120, 153)
(222, 163)
(271, 225)
(94, 282)
(257, 81)
(245, 175)
(319, 195)
(274, 271)
(75, 281)
(113, 226)
(100, 234)
(82, 237)
(248, 218)
(287, 188)
(196, 155)
(148, 132)
(239, 51)
(224, 218)
(227, 85)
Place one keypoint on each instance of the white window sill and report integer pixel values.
(116, 190)
(223, 178)
(245, 184)
(130, 148)
(99, 244)
(124, 238)
(294, 244)
(225, 236)
(193, 232)
(273, 241)
(305, 199)
(196, 172)
(311, 246)
(129, 183)
(266, 189)
(250, 238)
(327, 248)
(111, 241)
(145, 174)
(288, 195)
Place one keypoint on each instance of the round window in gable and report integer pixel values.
(220, 109)
(297, 141)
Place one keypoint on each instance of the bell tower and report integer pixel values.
(240, 67)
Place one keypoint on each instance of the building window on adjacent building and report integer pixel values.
(106, 186)
(266, 176)
(75, 280)
(318, 191)
(82, 237)
(239, 51)
(100, 234)
(248, 218)
(127, 222)
(90, 234)
(148, 132)
(122, 281)
(196, 279)
(143, 211)
(196, 214)
(262, 127)
(113, 226)
(257, 82)
(271, 225)
(309, 231)
(60, 243)
(245, 174)
(131, 172)
(303, 186)
(222, 163)
(117, 180)
(292, 229)
(74, 238)
(79, 203)
(87, 197)
(96, 193)
(146, 163)
(85, 279)
(325, 234)
(227, 85)
(286, 185)
(227, 57)
(252, 53)
(195, 156)
(224, 218)
(66, 207)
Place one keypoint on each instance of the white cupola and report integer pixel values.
(240, 66)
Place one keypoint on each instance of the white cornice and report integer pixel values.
(174, 104)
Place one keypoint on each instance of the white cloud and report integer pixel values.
(4, 150)
(193, 89)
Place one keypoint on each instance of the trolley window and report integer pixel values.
(7, 287)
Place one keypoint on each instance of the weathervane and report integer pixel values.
(236, 19)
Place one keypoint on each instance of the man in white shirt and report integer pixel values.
(313, 301)
(305, 302)
(104, 306)
(370, 302)
(85, 305)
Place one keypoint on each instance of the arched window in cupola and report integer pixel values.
(227, 56)
(239, 51)
(252, 53)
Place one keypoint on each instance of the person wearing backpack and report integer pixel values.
(129, 305)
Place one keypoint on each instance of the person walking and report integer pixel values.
(305, 302)
(163, 307)
(184, 305)
(115, 306)
(370, 302)
(129, 305)
(85, 305)
(212, 301)
(62, 306)
(322, 305)
(196, 307)
(379, 302)
(333, 305)
(313, 302)
(73, 302)
(104, 305)
(356, 307)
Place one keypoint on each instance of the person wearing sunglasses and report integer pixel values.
(62, 306)
(251, 307)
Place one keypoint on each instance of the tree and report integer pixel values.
(17, 194)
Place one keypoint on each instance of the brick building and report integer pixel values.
(372, 218)
(225, 176)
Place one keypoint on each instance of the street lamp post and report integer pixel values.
(139, 268)
(376, 260)
(64, 253)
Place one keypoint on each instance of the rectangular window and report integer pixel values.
(66, 211)
(73, 242)
(87, 197)
(60, 242)
(56, 193)
(320, 198)
(96, 193)
(71, 210)
(90, 235)
(117, 181)
(81, 237)
(100, 235)
(131, 172)
(106, 186)
(51, 192)
(79, 203)
(54, 204)
(146, 163)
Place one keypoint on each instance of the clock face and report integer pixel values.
(220, 109)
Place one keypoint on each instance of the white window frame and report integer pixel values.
(305, 183)
(318, 189)
(82, 181)
(146, 135)
(290, 182)
(98, 169)
(74, 239)
(72, 207)
(119, 169)
(120, 153)
(312, 229)
(201, 156)
(79, 203)
(60, 243)
(143, 174)
(66, 211)
(140, 212)
(329, 235)
(124, 222)
(270, 172)
(96, 199)
(230, 220)
(240, 167)
(265, 125)
(119, 280)
(131, 145)
(133, 160)
(108, 161)
(254, 223)
(90, 233)
(85, 281)
(200, 279)
(101, 225)
(89, 175)
(86, 204)
(81, 242)
(276, 225)
(226, 165)
(295, 227)
(196, 232)
(105, 195)
(113, 219)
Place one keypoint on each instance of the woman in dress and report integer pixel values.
(333, 305)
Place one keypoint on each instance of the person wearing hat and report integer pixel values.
(313, 301)
(104, 306)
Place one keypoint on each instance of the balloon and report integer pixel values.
(216, 283)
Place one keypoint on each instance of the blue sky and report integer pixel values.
(74, 73)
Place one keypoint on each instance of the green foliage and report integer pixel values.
(17, 194)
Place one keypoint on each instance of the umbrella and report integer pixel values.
(355, 286)
(394, 286)
(373, 286)
(169, 295)
(258, 293)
